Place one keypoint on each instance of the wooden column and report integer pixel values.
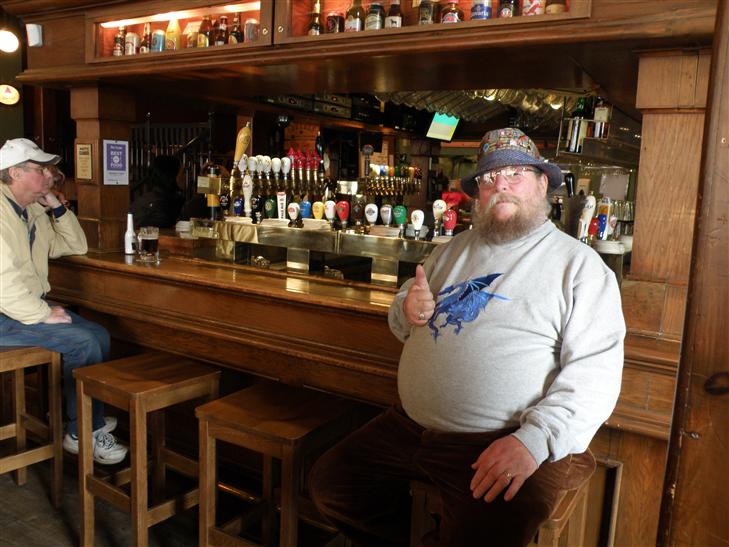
(695, 509)
(672, 89)
(101, 114)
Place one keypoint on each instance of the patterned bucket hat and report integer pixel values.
(506, 147)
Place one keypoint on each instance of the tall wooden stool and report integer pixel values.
(16, 360)
(565, 526)
(277, 421)
(141, 385)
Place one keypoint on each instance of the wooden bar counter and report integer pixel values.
(333, 335)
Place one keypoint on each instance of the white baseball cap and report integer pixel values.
(16, 151)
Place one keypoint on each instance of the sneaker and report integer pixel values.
(107, 450)
(110, 423)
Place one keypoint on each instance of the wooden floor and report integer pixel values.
(28, 518)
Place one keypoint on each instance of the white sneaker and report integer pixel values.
(110, 423)
(107, 450)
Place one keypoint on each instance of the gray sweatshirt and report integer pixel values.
(526, 334)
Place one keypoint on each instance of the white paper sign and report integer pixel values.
(116, 162)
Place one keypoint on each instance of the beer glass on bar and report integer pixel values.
(148, 244)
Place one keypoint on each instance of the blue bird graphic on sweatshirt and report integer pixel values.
(464, 303)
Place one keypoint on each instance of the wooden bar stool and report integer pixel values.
(141, 385)
(279, 422)
(565, 526)
(16, 360)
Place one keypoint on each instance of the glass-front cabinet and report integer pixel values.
(166, 29)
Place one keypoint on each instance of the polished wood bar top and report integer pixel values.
(303, 330)
(273, 284)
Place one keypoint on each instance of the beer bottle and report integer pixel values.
(375, 17)
(394, 16)
(575, 129)
(236, 34)
(172, 36)
(508, 8)
(204, 35)
(119, 41)
(451, 13)
(355, 20)
(314, 28)
(601, 115)
(221, 37)
(145, 46)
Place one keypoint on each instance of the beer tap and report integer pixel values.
(367, 150)
(258, 180)
(342, 208)
(386, 214)
(305, 208)
(318, 209)
(293, 210)
(247, 193)
(266, 165)
(371, 215)
(299, 165)
(417, 217)
(330, 212)
(242, 142)
(281, 194)
(401, 217)
(439, 207)
(276, 167)
(449, 221)
(252, 166)
(358, 205)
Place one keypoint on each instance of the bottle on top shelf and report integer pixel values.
(556, 6)
(235, 36)
(173, 39)
(451, 13)
(394, 15)
(508, 8)
(145, 46)
(314, 28)
(481, 9)
(355, 19)
(427, 12)
(119, 42)
(375, 19)
(221, 36)
(205, 34)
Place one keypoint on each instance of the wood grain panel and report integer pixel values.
(666, 196)
(673, 80)
(643, 303)
(674, 311)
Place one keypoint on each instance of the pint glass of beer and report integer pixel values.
(148, 244)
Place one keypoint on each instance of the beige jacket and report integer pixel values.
(24, 278)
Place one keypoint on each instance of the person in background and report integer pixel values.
(157, 199)
(512, 359)
(34, 225)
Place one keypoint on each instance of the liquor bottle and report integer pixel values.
(221, 37)
(204, 35)
(451, 13)
(556, 6)
(394, 16)
(236, 34)
(119, 42)
(481, 9)
(426, 12)
(173, 36)
(575, 131)
(145, 46)
(375, 19)
(508, 8)
(601, 115)
(129, 236)
(355, 20)
(314, 28)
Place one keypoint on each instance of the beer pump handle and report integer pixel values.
(450, 217)
(318, 209)
(386, 214)
(330, 212)
(371, 213)
(417, 217)
(342, 208)
(242, 142)
(588, 211)
(247, 193)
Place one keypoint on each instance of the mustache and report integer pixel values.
(502, 198)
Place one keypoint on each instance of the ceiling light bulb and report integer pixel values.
(9, 43)
(490, 94)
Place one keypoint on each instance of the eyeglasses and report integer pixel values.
(513, 175)
(40, 170)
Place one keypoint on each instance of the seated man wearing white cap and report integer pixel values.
(34, 226)
(513, 351)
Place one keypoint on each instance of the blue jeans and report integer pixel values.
(81, 343)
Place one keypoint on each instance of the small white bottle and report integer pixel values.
(129, 236)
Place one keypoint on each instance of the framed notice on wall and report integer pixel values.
(116, 162)
(84, 161)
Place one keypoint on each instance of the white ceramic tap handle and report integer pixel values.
(267, 164)
(386, 214)
(417, 217)
(247, 186)
(293, 210)
(329, 210)
(439, 207)
(371, 213)
(252, 164)
(285, 165)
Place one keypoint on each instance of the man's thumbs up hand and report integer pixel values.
(419, 303)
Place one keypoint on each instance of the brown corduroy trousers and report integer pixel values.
(361, 486)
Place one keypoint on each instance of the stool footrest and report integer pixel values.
(219, 538)
(181, 464)
(8, 431)
(114, 495)
(171, 507)
(29, 457)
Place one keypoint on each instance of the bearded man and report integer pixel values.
(512, 359)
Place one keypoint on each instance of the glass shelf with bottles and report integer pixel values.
(190, 28)
(329, 18)
(589, 120)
